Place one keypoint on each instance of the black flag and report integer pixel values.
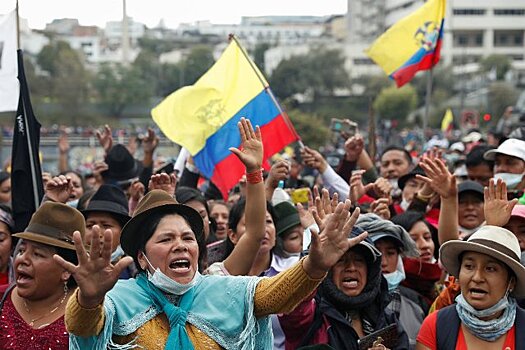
(26, 176)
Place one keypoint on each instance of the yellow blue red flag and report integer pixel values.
(448, 121)
(203, 117)
(412, 44)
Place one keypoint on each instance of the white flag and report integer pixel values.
(8, 67)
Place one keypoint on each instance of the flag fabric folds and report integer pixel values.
(203, 117)
(412, 44)
(26, 176)
(8, 69)
(448, 121)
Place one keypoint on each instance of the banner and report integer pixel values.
(8, 69)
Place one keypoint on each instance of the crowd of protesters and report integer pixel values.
(398, 251)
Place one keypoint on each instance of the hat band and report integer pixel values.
(496, 246)
(49, 231)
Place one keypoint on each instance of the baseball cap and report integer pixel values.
(511, 147)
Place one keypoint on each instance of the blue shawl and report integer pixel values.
(222, 308)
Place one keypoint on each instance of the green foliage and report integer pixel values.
(394, 103)
(67, 81)
(501, 95)
(199, 60)
(120, 86)
(502, 64)
(373, 84)
(156, 46)
(317, 73)
(312, 130)
(258, 55)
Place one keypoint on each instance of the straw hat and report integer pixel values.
(154, 202)
(53, 224)
(493, 241)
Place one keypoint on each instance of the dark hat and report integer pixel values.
(471, 186)
(403, 179)
(156, 201)
(4, 175)
(287, 217)
(54, 224)
(109, 199)
(367, 246)
(121, 164)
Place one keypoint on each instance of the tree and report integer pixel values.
(501, 95)
(67, 80)
(120, 86)
(312, 130)
(501, 63)
(258, 55)
(396, 103)
(198, 61)
(318, 73)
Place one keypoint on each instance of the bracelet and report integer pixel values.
(254, 177)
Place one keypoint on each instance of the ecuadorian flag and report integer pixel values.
(203, 117)
(412, 44)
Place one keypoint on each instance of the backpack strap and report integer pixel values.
(6, 293)
(447, 326)
(519, 324)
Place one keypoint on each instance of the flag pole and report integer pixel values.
(268, 91)
(427, 102)
(17, 27)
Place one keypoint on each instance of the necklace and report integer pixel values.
(33, 320)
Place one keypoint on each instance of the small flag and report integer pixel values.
(26, 176)
(412, 44)
(8, 69)
(203, 117)
(448, 121)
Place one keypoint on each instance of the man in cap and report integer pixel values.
(509, 163)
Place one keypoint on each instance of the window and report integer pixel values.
(509, 12)
(468, 38)
(508, 38)
(469, 12)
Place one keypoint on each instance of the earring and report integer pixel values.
(66, 288)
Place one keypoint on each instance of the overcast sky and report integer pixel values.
(150, 12)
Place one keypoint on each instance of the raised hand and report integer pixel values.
(324, 206)
(164, 182)
(63, 143)
(380, 207)
(383, 188)
(332, 242)
(279, 171)
(306, 217)
(438, 178)
(496, 206)
(314, 159)
(150, 142)
(105, 138)
(251, 150)
(59, 188)
(357, 188)
(98, 168)
(94, 274)
(353, 147)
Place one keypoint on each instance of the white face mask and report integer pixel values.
(396, 191)
(511, 180)
(167, 284)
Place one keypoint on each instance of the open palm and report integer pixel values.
(251, 150)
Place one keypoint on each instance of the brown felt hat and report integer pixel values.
(154, 202)
(53, 224)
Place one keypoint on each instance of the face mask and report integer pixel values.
(404, 204)
(73, 203)
(396, 191)
(168, 285)
(511, 180)
(394, 279)
(117, 253)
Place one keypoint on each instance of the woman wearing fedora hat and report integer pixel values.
(169, 304)
(32, 309)
(485, 315)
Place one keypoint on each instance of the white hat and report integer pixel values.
(511, 147)
(473, 136)
(493, 241)
(457, 146)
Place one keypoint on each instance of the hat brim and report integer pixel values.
(450, 252)
(119, 176)
(106, 207)
(398, 241)
(491, 154)
(130, 232)
(36, 237)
